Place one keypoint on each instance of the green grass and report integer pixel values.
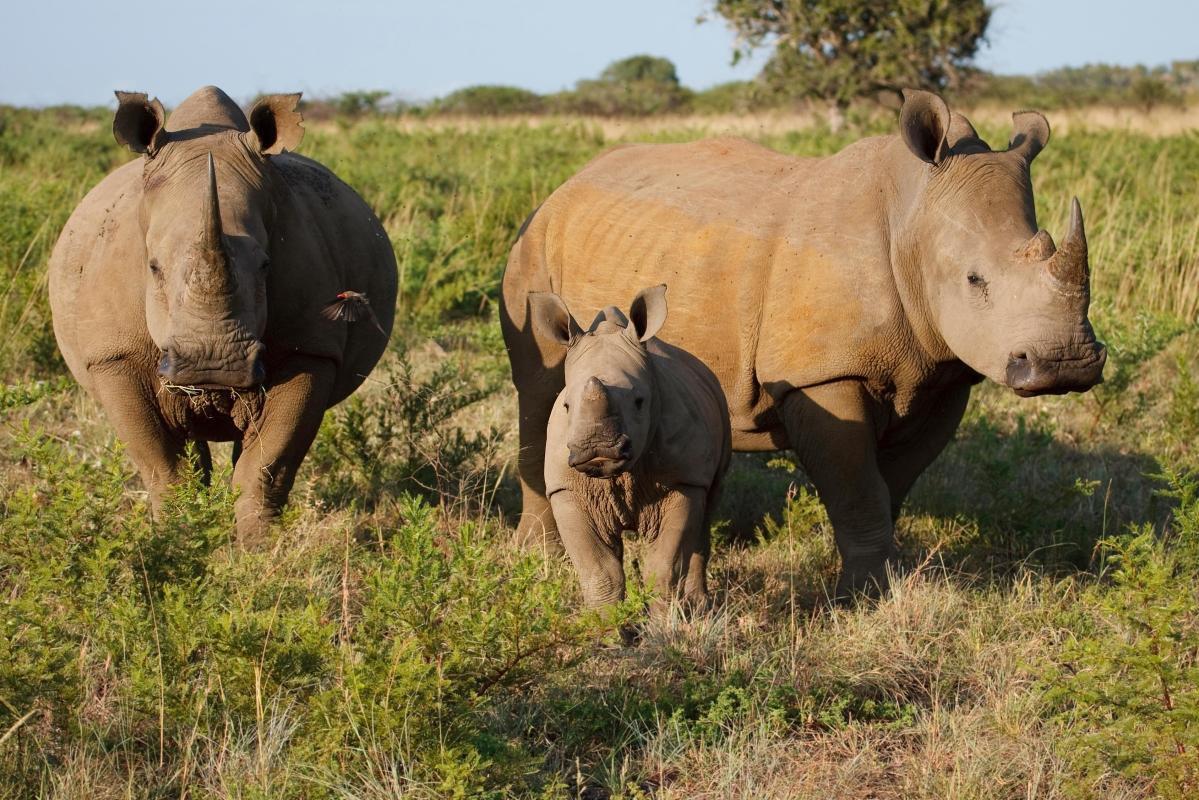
(1041, 643)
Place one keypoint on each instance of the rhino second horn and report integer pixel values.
(213, 270)
(1039, 248)
(1069, 264)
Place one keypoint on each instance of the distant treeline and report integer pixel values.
(648, 85)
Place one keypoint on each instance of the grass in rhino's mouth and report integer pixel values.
(242, 404)
(178, 388)
(192, 390)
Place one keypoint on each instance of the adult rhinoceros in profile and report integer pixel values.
(187, 291)
(847, 304)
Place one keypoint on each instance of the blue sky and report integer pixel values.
(56, 51)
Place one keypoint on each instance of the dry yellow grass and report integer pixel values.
(1160, 122)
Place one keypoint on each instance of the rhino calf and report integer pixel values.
(638, 440)
(163, 277)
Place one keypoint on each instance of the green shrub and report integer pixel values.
(1130, 344)
(16, 395)
(396, 437)
(1126, 691)
(161, 646)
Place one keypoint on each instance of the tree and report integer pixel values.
(634, 86)
(1150, 91)
(357, 104)
(641, 68)
(837, 50)
(492, 101)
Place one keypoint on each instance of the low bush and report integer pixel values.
(397, 437)
(1126, 688)
(158, 650)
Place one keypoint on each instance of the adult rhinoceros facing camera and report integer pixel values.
(188, 287)
(847, 304)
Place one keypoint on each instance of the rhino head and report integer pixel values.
(609, 393)
(989, 284)
(207, 215)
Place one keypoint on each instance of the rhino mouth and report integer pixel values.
(1030, 375)
(602, 461)
(179, 369)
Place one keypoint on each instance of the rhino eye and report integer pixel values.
(974, 279)
(155, 269)
(566, 407)
(266, 264)
(638, 402)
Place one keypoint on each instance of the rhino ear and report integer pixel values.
(138, 123)
(924, 122)
(275, 124)
(1030, 134)
(648, 312)
(551, 318)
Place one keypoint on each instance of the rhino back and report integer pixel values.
(778, 267)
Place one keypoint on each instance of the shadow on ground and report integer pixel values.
(994, 500)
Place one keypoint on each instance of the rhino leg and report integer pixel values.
(203, 460)
(536, 528)
(538, 376)
(832, 430)
(599, 565)
(130, 404)
(276, 442)
(677, 561)
(902, 464)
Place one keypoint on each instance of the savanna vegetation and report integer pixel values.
(1040, 642)
(860, 81)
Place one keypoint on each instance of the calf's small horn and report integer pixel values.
(595, 398)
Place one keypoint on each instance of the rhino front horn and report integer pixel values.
(210, 218)
(1069, 264)
(212, 273)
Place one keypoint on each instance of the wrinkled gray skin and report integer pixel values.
(638, 440)
(847, 304)
(187, 290)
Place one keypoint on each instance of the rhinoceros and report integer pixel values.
(847, 304)
(638, 440)
(188, 287)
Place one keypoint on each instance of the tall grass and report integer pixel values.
(393, 645)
